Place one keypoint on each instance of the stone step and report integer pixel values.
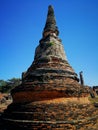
(30, 124)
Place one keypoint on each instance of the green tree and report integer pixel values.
(6, 86)
(3, 83)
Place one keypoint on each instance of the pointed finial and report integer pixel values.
(50, 26)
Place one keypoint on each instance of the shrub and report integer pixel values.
(51, 44)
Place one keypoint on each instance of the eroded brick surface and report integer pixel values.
(53, 115)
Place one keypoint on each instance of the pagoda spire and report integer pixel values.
(50, 26)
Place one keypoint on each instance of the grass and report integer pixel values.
(93, 100)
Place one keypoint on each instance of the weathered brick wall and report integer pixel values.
(52, 115)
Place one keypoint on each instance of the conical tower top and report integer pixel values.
(50, 26)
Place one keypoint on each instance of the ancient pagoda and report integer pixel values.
(49, 77)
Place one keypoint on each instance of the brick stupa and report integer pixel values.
(49, 77)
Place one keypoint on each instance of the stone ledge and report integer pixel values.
(54, 122)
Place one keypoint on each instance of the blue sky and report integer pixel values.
(21, 26)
